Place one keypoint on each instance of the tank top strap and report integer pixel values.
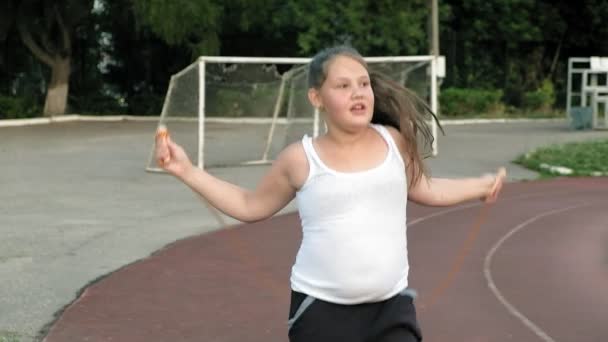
(392, 146)
(311, 156)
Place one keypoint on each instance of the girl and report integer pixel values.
(350, 277)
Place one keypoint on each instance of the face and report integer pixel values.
(346, 96)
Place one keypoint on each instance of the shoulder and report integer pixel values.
(397, 137)
(293, 163)
(292, 154)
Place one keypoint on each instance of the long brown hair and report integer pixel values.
(394, 105)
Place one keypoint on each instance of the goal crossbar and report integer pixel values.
(296, 60)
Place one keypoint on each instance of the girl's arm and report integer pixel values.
(272, 194)
(446, 192)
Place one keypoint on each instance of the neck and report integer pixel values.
(342, 137)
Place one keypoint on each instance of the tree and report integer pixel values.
(202, 25)
(6, 22)
(47, 28)
(517, 45)
(382, 27)
(374, 27)
(137, 64)
(183, 22)
(148, 41)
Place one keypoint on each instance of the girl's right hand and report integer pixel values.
(170, 156)
(497, 183)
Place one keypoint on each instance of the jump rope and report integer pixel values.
(435, 294)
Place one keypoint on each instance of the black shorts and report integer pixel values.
(391, 320)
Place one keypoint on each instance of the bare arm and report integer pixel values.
(446, 192)
(272, 194)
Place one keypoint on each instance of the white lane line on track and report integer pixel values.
(490, 281)
(478, 204)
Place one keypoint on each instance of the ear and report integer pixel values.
(315, 98)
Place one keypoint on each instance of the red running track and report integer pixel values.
(532, 267)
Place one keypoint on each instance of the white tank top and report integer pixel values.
(354, 245)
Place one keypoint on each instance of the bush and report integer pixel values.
(257, 101)
(247, 101)
(145, 104)
(18, 107)
(97, 104)
(469, 102)
(542, 99)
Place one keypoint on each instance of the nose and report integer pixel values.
(357, 93)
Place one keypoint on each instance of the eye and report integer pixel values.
(343, 85)
(365, 84)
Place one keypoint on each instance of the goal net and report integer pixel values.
(230, 111)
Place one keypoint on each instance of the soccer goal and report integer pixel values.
(230, 111)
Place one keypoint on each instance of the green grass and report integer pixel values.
(9, 336)
(510, 114)
(583, 158)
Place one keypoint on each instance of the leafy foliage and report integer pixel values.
(182, 22)
(584, 158)
(516, 45)
(469, 102)
(541, 99)
(383, 27)
(125, 50)
(18, 107)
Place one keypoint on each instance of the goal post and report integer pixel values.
(229, 111)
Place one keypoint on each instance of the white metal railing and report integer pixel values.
(593, 87)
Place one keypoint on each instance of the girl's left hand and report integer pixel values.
(499, 179)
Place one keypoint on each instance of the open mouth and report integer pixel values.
(358, 108)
